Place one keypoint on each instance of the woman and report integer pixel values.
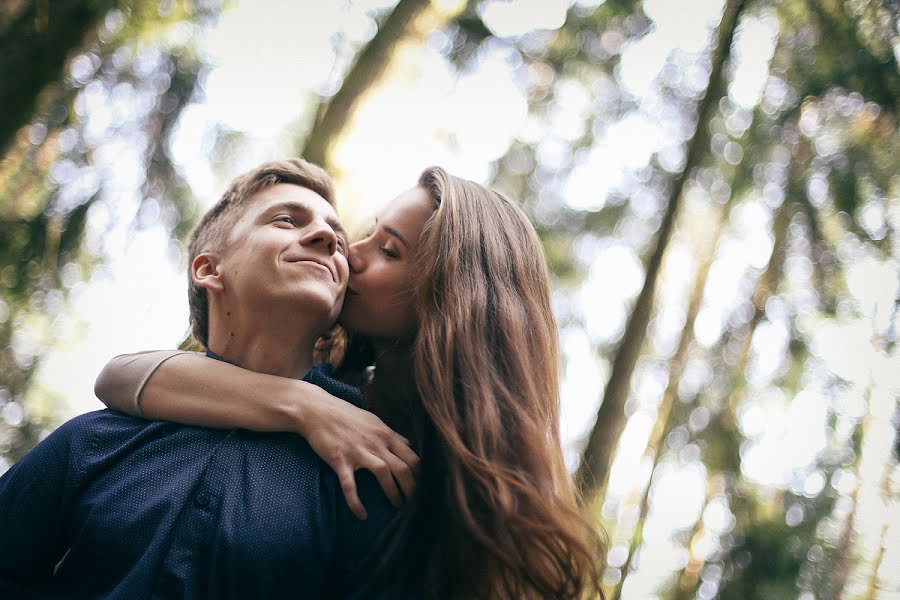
(449, 298)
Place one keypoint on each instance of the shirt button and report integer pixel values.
(201, 500)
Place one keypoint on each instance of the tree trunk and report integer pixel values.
(874, 587)
(887, 495)
(766, 284)
(664, 416)
(845, 545)
(686, 586)
(597, 457)
(874, 578)
(36, 46)
(410, 20)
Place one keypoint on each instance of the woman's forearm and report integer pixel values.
(194, 389)
(188, 387)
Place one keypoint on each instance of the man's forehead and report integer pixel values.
(283, 197)
(291, 196)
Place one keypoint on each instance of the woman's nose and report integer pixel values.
(355, 259)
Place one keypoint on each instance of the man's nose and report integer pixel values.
(319, 234)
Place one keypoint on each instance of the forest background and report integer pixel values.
(715, 183)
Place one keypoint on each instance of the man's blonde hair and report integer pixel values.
(211, 233)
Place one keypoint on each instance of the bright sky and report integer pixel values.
(138, 301)
(426, 116)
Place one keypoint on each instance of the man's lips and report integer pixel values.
(318, 262)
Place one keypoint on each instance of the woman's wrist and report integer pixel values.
(299, 407)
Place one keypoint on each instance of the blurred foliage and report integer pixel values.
(825, 133)
(130, 72)
(409, 22)
(810, 168)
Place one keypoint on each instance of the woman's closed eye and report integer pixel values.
(388, 252)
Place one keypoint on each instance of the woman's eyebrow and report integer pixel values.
(394, 232)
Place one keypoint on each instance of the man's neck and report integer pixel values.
(264, 347)
(264, 358)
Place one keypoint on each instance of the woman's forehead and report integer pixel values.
(412, 204)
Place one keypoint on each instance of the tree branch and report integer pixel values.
(596, 460)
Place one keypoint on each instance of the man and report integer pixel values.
(110, 506)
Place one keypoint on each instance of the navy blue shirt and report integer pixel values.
(111, 506)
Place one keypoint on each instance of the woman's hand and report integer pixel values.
(349, 438)
(156, 384)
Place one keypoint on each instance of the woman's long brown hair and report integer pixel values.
(495, 512)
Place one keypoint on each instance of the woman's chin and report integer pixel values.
(386, 325)
(349, 321)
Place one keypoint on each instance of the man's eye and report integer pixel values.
(285, 219)
(342, 245)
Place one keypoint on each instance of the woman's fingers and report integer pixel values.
(348, 486)
(404, 452)
(349, 438)
(403, 475)
(382, 471)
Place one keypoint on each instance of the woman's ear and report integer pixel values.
(205, 272)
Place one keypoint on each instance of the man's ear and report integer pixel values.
(205, 272)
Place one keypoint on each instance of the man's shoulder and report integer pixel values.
(90, 421)
(107, 427)
(102, 419)
(76, 441)
(322, 376)
(95, 425)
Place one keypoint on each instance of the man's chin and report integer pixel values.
(316, 300)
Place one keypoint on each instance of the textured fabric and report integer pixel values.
(121, 382)
(110, 506)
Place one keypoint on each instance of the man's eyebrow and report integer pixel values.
(297, 207)
(288, 206)
(336, 225)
